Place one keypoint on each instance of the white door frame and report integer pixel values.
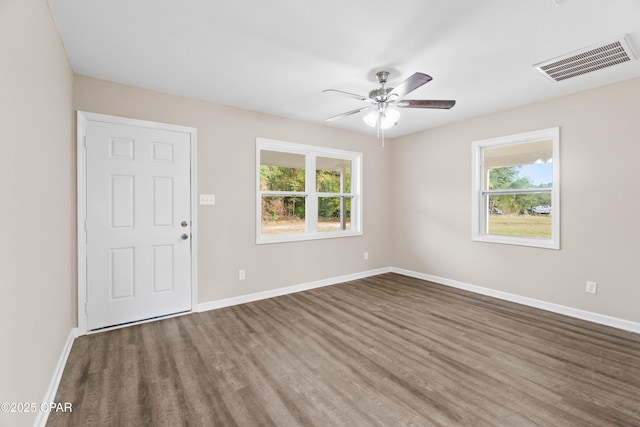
(84, 117)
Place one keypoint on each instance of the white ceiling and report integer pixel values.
(277, 56)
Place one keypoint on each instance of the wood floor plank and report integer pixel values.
(387, 350)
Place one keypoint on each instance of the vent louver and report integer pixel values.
(586, 60)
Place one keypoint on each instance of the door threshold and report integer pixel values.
(137, 322)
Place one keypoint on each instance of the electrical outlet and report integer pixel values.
(592, 287)
(241, 275)
(366, 256)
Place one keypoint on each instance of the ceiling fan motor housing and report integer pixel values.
(380, 95)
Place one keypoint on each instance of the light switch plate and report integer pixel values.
(207, 199)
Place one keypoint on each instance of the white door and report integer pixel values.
(138, 211)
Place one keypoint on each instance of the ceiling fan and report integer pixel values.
(384, 100)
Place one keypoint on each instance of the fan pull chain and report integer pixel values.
(379, 129)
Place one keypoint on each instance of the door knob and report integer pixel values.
(185, 236)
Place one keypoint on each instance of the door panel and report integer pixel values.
(138, 195)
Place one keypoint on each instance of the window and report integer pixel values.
(515, 191)
(305, 192)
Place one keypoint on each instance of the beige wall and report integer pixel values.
(37, 211)
(226, 168)
(600, 219)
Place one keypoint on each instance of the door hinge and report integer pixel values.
(85, 225)
(86, 308)
(85, 141)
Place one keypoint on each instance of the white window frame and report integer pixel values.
(310, 194)
(479, 210)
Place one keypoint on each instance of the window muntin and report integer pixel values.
(516, 189)
(294, 204)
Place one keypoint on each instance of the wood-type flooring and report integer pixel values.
(388, 350)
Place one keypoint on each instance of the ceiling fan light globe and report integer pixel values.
(371, 119)
(390, 119)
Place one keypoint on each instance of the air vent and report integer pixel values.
(587, 60)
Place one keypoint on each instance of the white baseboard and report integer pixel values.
(242, 299)
(50, 395)
(555, 308)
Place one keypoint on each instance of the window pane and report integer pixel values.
(329, 174)
(525, 215)
(334, 213)
(283, 215)
(292, 177)
(282, 171)
(516, 166)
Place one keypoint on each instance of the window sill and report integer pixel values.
(518, 241)
(301, 237)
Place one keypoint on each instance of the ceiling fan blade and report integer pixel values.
(426, 103)
(409, 85)
(352, 95)
(348, 113)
